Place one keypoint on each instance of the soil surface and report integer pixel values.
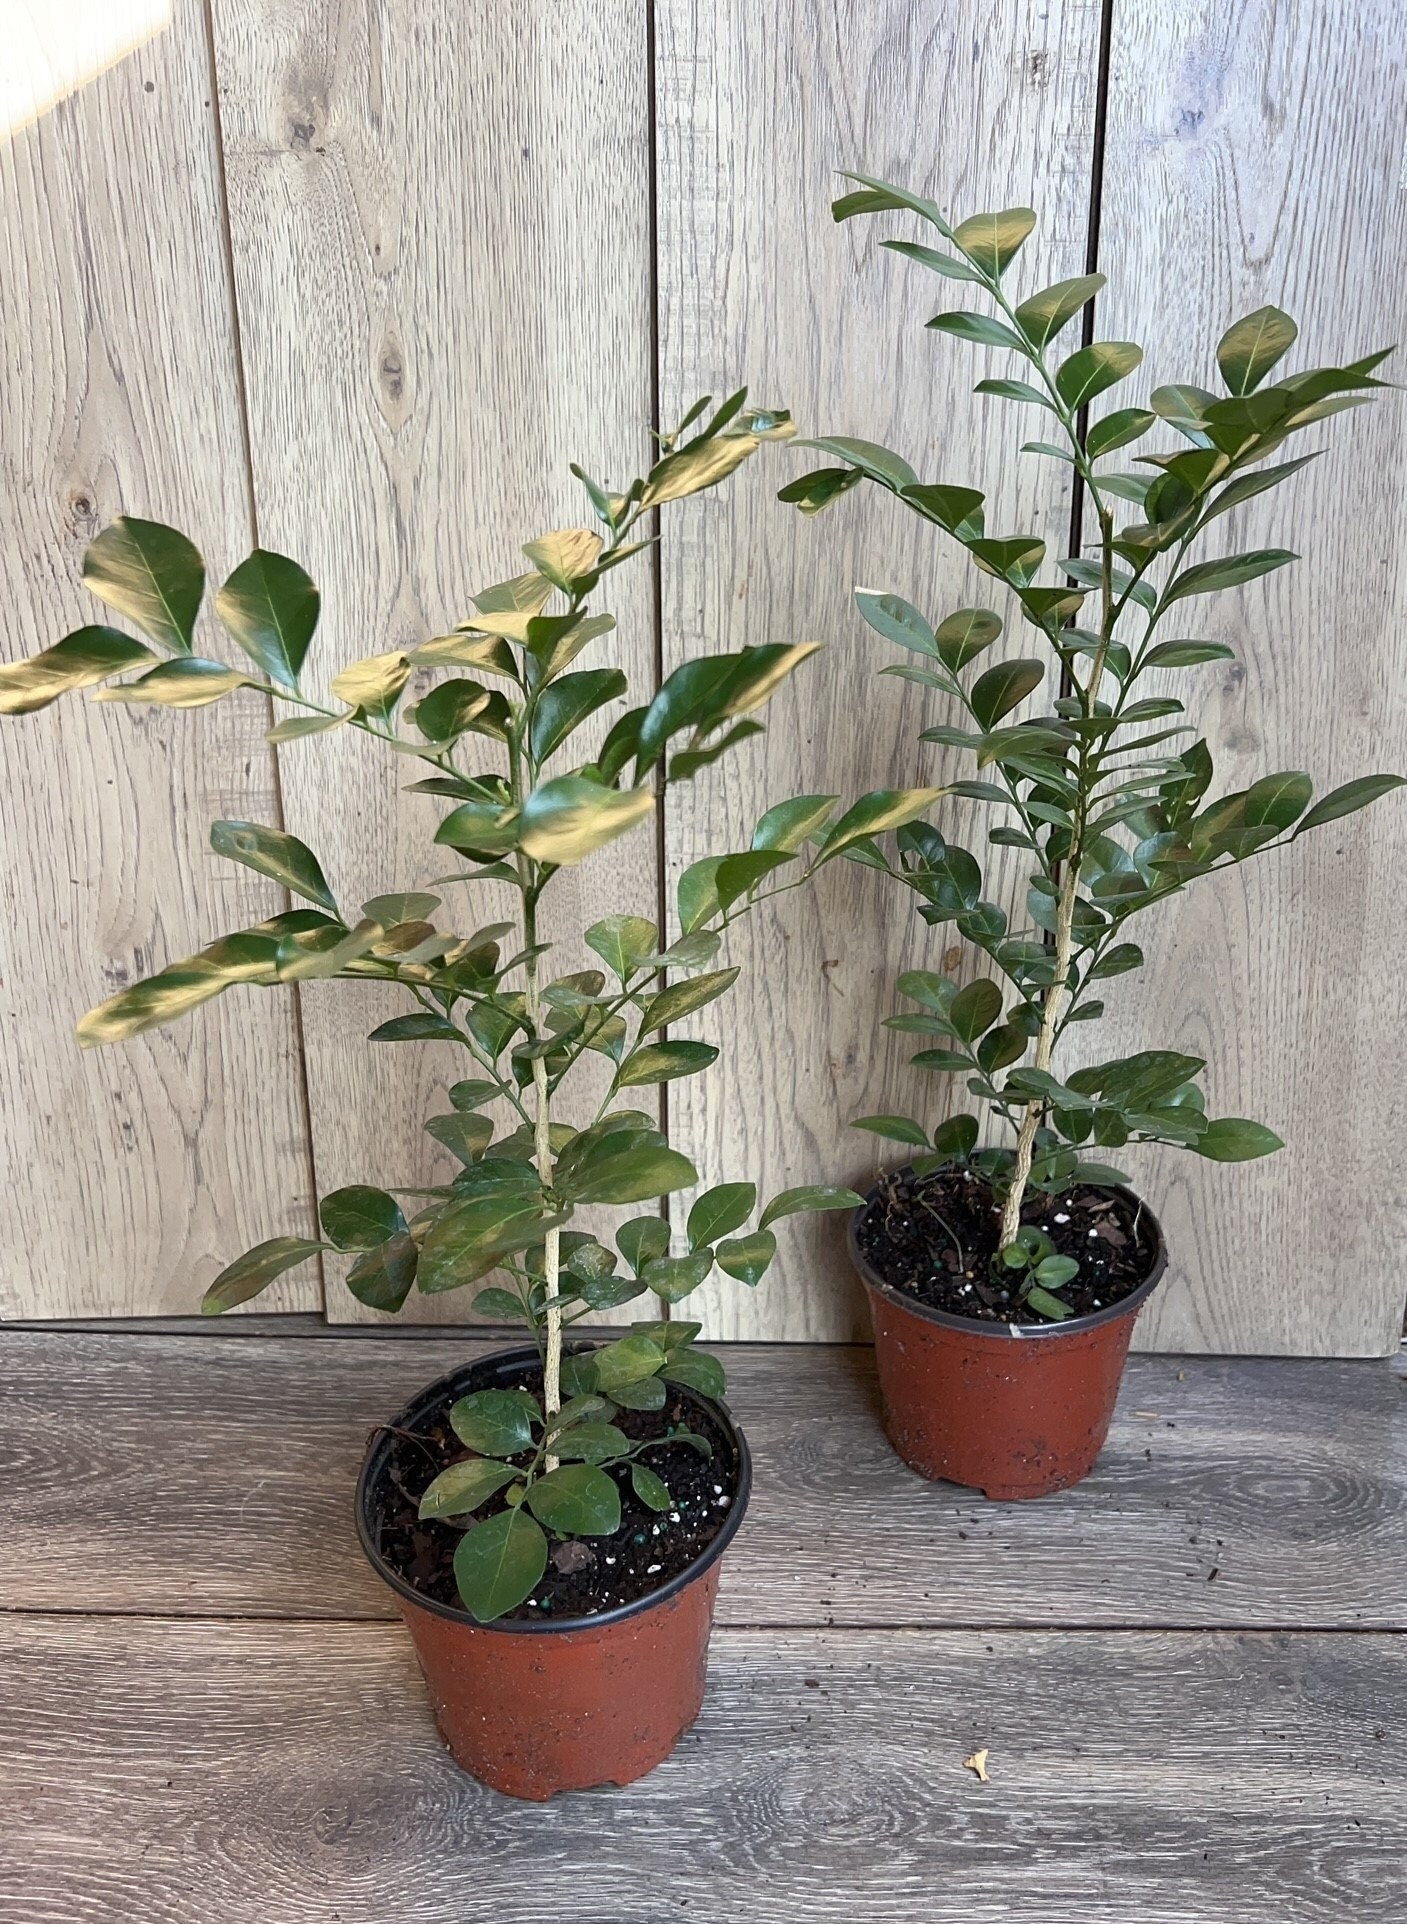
(584, 1575)
(934, 1237)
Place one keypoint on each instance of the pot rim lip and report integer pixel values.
(560, 1626)
(1004, 1332)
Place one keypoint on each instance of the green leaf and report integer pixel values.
(1246, 486)
(991, 240)
(464, 1486)
(975, 1008)
(896, 1128)
(630, 1175)
(791, 1202)
(252, 1272)
(747, 1258)
(86, 656)
(1233, 1139)
(964, 635)
(1116, 961)
(495, 1422)
(675, 1277)
(416, 1028)
(643, 1240)
(1207, 576)
(1090, 370)
(1117, 430)
(881, 196)
(1056, 1271)
(696, 1372)
(897, 620)
(445, 713)
(652, 1491)
(576, 1500)
(271, 608)
(268, 851)
(692, 470)
(882, 809)
(1247, 352)
(465, 1135)
(471, 1237)
(566, 820)
(1003, 688)
(930, 257)
(1349, 798)
(1047, 1305)
(591, 1442)
(978, 328)
(187, 683)
(683, 998)
(499, 1306)
(719, 1211)
(1277, 800)
(879, 463)
(383, 1276)
(663, 1062)
(957, 1137)
(499, 1563)
(151, 574)
(629, 1360)
(565, 705)
(1186, 654)
(359, 1217)
(1044, 314)
(623, 943)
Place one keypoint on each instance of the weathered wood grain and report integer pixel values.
(758, 108)
(181, 1771)
(143, 1168)
(208, 1474)
(1254, 154)
(440, 229)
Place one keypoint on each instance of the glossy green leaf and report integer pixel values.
(895, 1128)
(150, 573)
(359, 1217)
(1090, 370)
(990, 241)
(957, 1137)
(1117, 430)
(283, 858)
(591, 1442)
(623, 943)
(566, 820)
(697, 1372)
(663, 1062)
(564, 706)
(578, 1499)
(447, 711)
(631, 1175)
(1347, 799)
(270, 606)
(565, 555)
(473, 1236)
(495, 1422)
(1208, 576)
(252, 1272)
(980, 329)
(883, 808)
(86, 656)
(1043, 315)
(382, 1278)
(464, 1486)
(974, 1009)
(1003, 688)
(1247, 352)
(642, 1240)
(465, 1135)
(747, 1258)
(1186, 654)
(499, 1563)
(719, 1211)
(375, 683)
(788, 825)
(683, 998)
(964, 635)
(628, 1360)
(652, 1491)
(897, 620)
(675, 1277)
(792, 1202)
(1233, 1139)
(1277, 801)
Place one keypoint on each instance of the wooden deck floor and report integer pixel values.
(1189, 1674)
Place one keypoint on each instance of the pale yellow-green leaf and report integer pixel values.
(185, 683)
(564, 554)
(695, 469)
(756, 689)
(529, 592)
(464, 650)
(566, 819)
(373, 682)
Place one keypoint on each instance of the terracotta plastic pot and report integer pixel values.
(1013, 1410)
(531, 1708)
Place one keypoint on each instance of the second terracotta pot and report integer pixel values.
(533, 1708)
(1012, 1410)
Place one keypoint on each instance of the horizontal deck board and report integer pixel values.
(206, 1772)
(212, 1475)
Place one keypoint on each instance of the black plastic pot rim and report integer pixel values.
(444, 1389)
(1002, 1332)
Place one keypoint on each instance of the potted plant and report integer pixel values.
(551, 1519)
(1004, 1279)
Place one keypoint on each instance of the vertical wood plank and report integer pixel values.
(441, 237)
(983, 107)
(141, 1168)
(1254, 154)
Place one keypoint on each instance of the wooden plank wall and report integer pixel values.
(368, 310)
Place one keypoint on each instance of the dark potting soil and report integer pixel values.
(934, 1237)
(584, 1575)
